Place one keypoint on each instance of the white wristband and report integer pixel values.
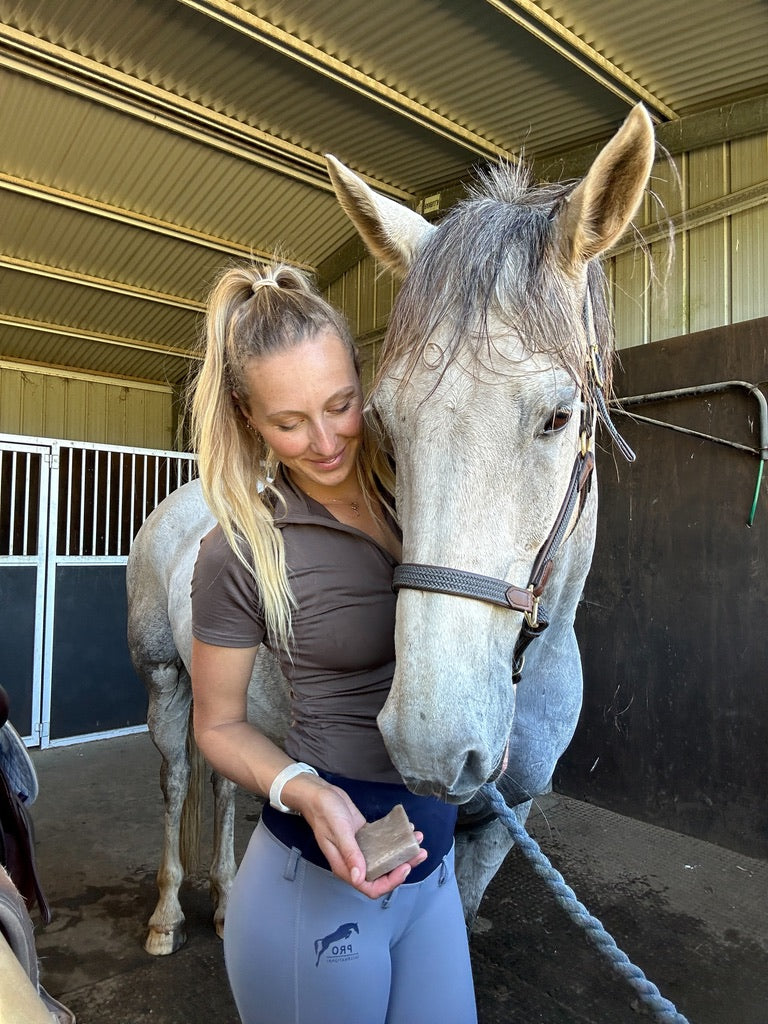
(288, 773)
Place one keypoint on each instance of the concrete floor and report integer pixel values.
(691, 915)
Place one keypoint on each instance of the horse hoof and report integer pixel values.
(163, 943)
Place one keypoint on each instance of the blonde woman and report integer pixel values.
(302, 560)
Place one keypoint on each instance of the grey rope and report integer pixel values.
(663, 1010)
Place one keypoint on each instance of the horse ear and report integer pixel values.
(604, 202)
(393, 233)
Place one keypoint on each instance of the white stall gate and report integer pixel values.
(69, 511)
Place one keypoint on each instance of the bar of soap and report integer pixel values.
(386, 843)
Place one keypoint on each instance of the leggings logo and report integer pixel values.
(335, 941)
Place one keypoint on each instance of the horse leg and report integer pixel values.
(480, 852)
(223, 867)
(167, 718)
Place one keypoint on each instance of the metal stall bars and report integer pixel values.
(68, 514)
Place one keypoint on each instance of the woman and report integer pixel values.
(301, 560)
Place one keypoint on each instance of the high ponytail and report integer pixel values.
(253, 311)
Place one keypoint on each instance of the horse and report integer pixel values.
(493, 373)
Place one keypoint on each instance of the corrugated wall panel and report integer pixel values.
(708, 301)
(668, 292)
(351, 302)
(717, 276)
(749, 270)
(367, 306)
(628, 278)
(82, 408)
(749, 161)
(386, 289)
(365, 294)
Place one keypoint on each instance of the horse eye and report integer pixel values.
(558, 420)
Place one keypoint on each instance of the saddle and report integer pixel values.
(22, 997)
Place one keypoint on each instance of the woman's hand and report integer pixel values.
(335, 820)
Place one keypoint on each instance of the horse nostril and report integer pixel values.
(474, 771)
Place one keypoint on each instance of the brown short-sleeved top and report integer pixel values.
(343, 657)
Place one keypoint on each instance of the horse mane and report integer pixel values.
(495, 256)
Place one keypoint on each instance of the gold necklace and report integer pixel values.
(354, 505)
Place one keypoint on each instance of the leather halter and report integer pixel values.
(459, 583)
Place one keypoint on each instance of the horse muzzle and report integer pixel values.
(473, 773)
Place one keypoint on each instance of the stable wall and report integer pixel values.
(674, 726)
(39, 401)
(715, 201)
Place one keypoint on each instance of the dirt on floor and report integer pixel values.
(690, 915)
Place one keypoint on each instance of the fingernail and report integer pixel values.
(356, 875)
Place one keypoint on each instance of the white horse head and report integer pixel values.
(486, 391)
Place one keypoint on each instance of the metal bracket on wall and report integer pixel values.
(620, 405)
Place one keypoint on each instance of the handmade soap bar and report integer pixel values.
(386, 843)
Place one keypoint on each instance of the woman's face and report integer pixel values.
(306, 402)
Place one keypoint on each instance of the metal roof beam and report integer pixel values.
(104, 339)
(73, 73)
(289, 45)
(586, 58)
(102, 284)
(83, 204)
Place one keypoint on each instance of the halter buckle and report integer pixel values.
(532, 616)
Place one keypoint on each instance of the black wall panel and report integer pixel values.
(94, 686)
(18, 585)
(673, 626)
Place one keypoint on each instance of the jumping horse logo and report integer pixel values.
(342, 932)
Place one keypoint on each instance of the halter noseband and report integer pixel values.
(459, 583)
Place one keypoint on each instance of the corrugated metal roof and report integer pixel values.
(143, 147)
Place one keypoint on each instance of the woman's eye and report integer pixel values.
(285, 427)
(558, 420)
(342, 408)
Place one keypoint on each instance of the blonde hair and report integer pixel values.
(256, 310)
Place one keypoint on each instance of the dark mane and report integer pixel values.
(495, 255)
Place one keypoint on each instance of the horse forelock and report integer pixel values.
(495, 259)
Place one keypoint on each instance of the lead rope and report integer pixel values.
(662, 1009)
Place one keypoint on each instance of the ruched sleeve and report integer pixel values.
(226, 610)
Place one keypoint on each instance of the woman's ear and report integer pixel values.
(239, 407)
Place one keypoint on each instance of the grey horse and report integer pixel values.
(493, 373)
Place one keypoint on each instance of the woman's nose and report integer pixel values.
(323, 439)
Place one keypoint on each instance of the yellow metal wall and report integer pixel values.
(365, 294)
(42, 402)
(716, 201)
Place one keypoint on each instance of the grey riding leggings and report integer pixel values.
(303, 947)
